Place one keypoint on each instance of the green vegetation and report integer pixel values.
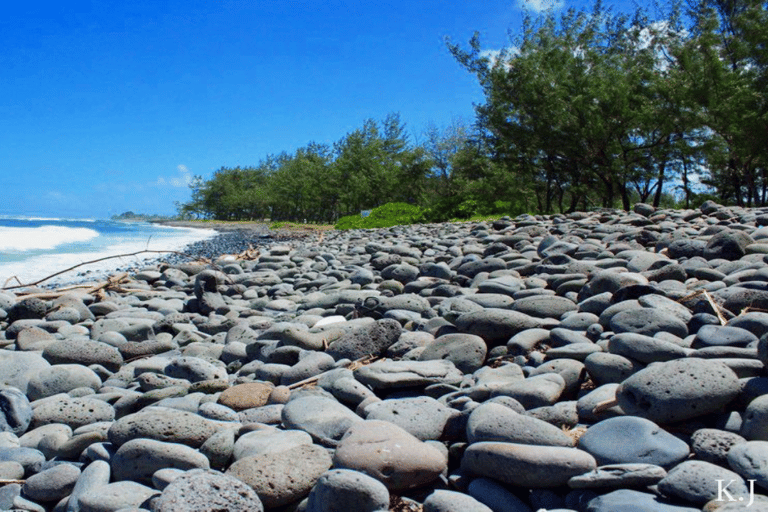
(388, 215)
(139, 217)
(584, 109)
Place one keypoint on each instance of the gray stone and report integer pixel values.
(718, 335)
(629, 439)
(34, 338)
(269, 440)
(284, 477)
(562, 414)
(727, 245)
(750, 461)
(349, 391)
(526, 465)
(696, 482)
(389, 374)
(16, 368)
(648, 321)
(194, 369)
(533, 392)
(544, 306)
(423, 417)
(47, 438)
(496, 496)
(199, 490)
(645, 349)
(495, 422)
(138, 459)
(162, 424)
(496, 326)
(52, 484)
(309, 365)
(61, 378)
(678, 390)
(29, 458)
(11, 470)
(219, 448)
(15, 411)
(373, 339)
(115, 496)
(616, 476)
(325, 419)
(607, 368)
(571, 370)
(389, 454)
(466, 351)
(342, 490)
(451, 501)
(74, 412)
(94, 475)
(626, 500)
(84, 352)
(712, 445)
(526, 341)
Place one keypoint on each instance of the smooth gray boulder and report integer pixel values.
(451, 501)
(523, 465)
(389, 454)
(629, 439)
(696, 481)
(424, 417)
(627, 500)
(138, 459)
(678, 390)
(342, 490)
(750, 460)
(466, 351)
(495, 422)
(325, 419)
(15, 411)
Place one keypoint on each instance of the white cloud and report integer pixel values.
(540, 5)
(181, 180)
(493, 56)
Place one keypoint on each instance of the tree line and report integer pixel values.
(584, 109)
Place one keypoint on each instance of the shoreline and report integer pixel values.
(221, 226)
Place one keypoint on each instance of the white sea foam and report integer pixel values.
(41, 238)
(38, 267)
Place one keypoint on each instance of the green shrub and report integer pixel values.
(350, 222)
(385, 216)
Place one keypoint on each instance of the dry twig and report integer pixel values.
(6, 481)
(354, 365)
(88, 263)
(605, 405)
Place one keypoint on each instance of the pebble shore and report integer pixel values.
(590, 362)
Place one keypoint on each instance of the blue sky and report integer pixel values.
(112, 106)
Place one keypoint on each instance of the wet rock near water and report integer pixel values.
(599, 361)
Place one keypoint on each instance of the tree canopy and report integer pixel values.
(583, 109)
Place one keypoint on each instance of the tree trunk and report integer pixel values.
(659, 184)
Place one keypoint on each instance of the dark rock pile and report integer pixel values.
(591, 362)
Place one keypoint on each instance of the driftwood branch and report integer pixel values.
(88, 263)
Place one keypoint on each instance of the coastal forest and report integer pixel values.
(583, 109)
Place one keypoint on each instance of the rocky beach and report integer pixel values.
(605, 361)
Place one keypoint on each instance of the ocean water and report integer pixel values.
(32, 248)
